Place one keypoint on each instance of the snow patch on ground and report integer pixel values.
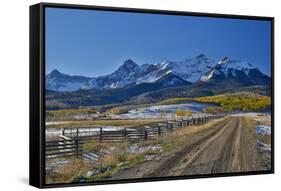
(263, 130)
(158, 111)
(137, 149)
(263, 147)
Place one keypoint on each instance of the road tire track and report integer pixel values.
(227, 146)
(172, 164)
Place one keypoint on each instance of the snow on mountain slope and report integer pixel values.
(129, 73)
(58, 81)
(190, 69)
(230, 66)
(227, 68)
(124, 75)
(207, 76)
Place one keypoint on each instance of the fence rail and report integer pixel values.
(72, 139)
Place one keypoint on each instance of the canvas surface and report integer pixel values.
(134, 95)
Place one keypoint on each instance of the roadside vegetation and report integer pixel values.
(263, 141)
(266, 121)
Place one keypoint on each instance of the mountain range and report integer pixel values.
(132, 83)
(170, 73)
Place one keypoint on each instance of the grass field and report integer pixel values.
(92, 116)
(107, 122)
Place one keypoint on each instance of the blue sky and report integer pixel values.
(95, 43)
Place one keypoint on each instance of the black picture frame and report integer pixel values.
(37, 92)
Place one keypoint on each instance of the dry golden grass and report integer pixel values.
(263, 120)
(118, 155)
(93, 145)
(66, 173)
(108, 122)
(265, 139)
(200, 128)
(111, 160)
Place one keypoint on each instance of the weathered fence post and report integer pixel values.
(62, 131)
(171, 127)
(100, 134)
(145, 134)
(76, 147)
(77, 133)
(125, 133)
(159, 129)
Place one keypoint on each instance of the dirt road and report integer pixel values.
(227, 147)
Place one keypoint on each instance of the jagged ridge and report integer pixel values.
(199, 68)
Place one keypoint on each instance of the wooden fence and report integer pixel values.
(72, 139)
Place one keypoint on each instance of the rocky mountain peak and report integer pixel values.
(201, 56)
(129, 64)
(54, 73)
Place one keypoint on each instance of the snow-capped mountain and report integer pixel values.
(240, 71)
(169, 73)
(124, 75)
(58, 81)
(190, 69)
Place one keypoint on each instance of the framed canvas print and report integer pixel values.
(127, 95)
